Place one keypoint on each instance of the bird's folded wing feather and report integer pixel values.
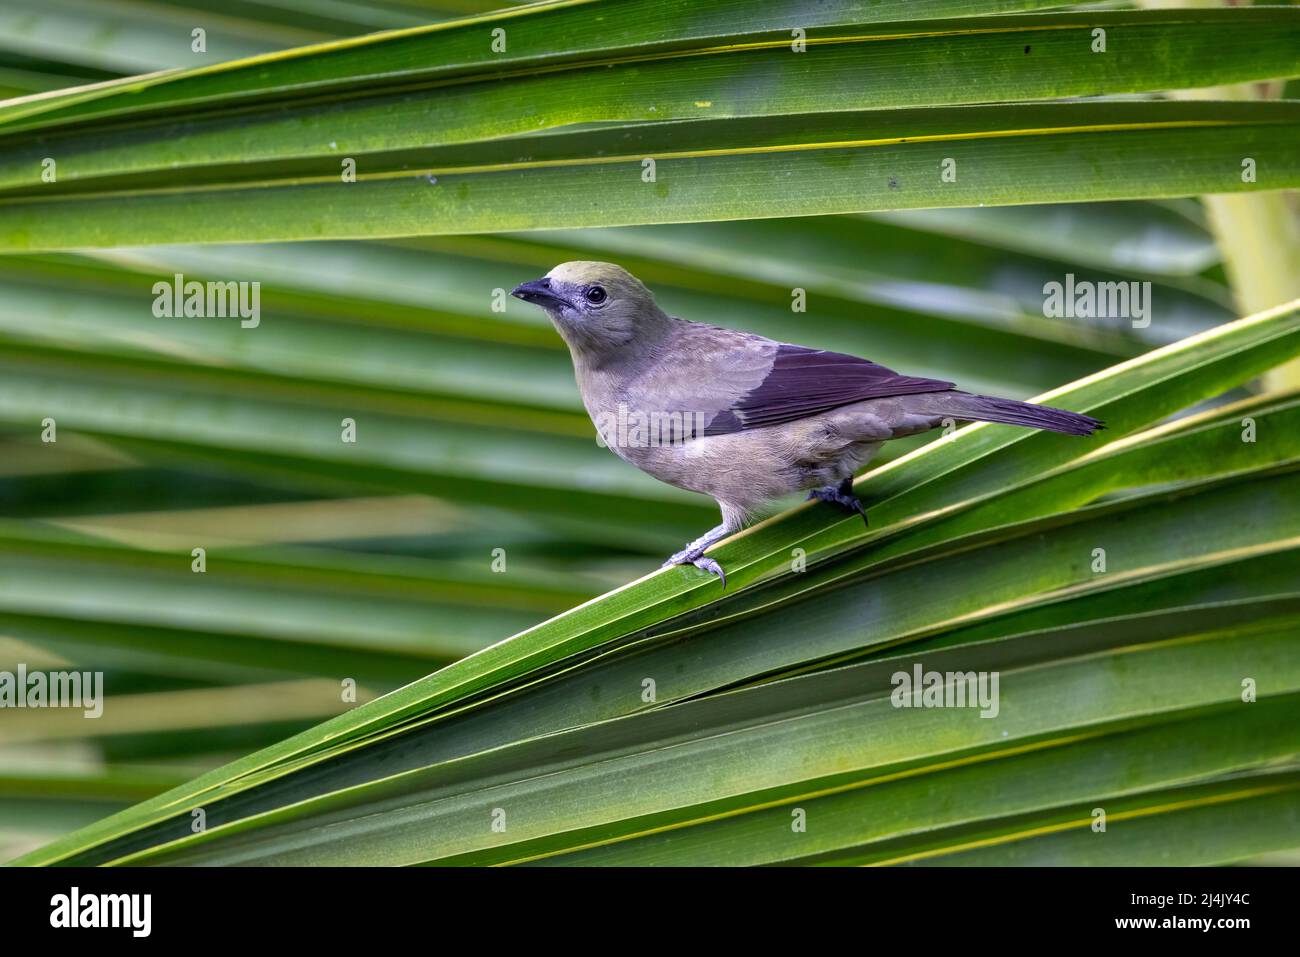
(806, 382)
(733, 381)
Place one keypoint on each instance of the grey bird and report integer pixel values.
(737, 416)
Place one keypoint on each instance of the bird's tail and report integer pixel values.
(987, 408)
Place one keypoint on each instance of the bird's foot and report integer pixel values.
(695, 556)
(841, 495)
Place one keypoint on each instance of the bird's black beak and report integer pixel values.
(539, 293)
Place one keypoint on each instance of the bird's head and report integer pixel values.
(598, 308)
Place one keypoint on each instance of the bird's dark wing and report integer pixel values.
(806, 382)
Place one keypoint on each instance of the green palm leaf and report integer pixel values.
(456, 150)
(1135, 591)
(457, 735)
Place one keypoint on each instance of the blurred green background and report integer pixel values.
(375, 561)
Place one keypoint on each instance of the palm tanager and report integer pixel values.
(738, 416)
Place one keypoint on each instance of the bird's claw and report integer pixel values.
(700, 561)
(711, 566)
(844, 499)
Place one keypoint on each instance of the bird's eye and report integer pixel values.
(595, 295)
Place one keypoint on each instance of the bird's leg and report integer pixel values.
(841, 495)
(693, 554)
